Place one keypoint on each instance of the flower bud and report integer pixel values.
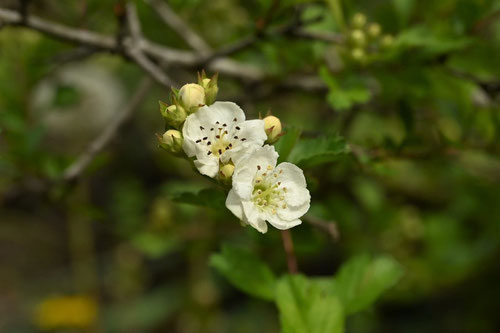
(172, 141)
(358, 54)
(358, 37)
(173, 114)
(272, 126)
(192, 96)
(374, 30)
(210, 86)
(387, 41)
(358, 20)
(226, 172)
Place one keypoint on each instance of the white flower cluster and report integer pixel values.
(224, 145)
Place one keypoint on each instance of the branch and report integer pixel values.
(134, 50)
(328, 227)
(177, 24)
(291, 260)
(100, 142)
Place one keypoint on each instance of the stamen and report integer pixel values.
(202, 128)
(209, 152)
(205, 138)
(209, 143)
(217, 136)
(224, 125)
(269, 167)
(198, 141)
(243, 139)
(236, 137)
(235, 119)
(258, 167)
(220, 151)
(238, 128)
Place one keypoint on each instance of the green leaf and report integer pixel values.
(286, 143)
(310, 152)
(209, 197)
(306, 306)
(245, 271)
(362, 280)
(343, 97)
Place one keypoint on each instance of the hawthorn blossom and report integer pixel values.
(218, 134)
(264, 192)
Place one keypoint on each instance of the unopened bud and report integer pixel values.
(192, 96)
(272, 126)
(210, 86)
(172, 141)
(387, 41)
(173, 114)
(358, 54)
(358, 20)
(358, 37)
(226, 172)
(374, 30)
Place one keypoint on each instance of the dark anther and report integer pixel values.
(238, 128)
(198, 141)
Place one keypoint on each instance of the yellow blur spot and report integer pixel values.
(66, 312)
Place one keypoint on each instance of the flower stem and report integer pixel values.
(290, 253)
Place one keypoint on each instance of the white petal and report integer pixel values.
(291, 213)
(280, 224)
(233, 203)
(291, 173)
(208, 166)
(243, 183)
(254, 217)
(253, 130)
(262, 156)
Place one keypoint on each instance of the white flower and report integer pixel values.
(220, 132)
(264, 192)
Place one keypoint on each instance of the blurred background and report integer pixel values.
(99, 231)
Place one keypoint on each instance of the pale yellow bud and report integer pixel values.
(272, 126)
(374, 30)
(358, 20)
(192, 96)
(173, 114)
(358, 54)
(358, 37)
(226, 172)
(387, 41)
(172, 141)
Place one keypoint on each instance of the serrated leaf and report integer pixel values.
(306, 306)
(310, 152)
(209, 197)
(362, 280)
(286, 143)
(245, 271)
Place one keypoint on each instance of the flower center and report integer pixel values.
(268, 194)
(220, 137)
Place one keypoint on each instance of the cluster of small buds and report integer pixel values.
(218, 140)
(185, 101)
(365, 39)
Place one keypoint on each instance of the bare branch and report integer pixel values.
(179, 26)
(134, 50)
(100, 142)
(325, 226)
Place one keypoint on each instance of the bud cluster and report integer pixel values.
(365, 39)
(185, 101)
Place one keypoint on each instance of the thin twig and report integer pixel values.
(134, 50)
(100, 142)
(291, 260)
(177, 24)
(328, 227)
